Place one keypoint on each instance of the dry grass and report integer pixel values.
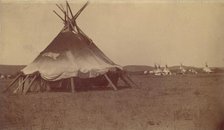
(160, 103)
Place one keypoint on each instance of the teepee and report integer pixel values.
(157, 70)
(206, 69)
(71, 59)
(166, 71)
(182, 69)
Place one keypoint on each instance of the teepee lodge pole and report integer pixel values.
(131, 81)
(125, 81)
(26, 88)
(72, 85)
(59, 16)
(79, 12)
(60, 8)
(111, 83)
(20, 87)
(17, 77)
(128, 80)
(69, 8)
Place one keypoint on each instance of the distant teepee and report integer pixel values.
(207, 69)
(158, 71)
(166, 71)
(182, 69)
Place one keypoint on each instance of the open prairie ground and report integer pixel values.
(179, 102)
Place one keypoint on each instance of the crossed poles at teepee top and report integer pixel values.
(70, 22)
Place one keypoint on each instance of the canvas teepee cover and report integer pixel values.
(70, 54)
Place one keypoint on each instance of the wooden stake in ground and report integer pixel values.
(111, 83)
(72, 85)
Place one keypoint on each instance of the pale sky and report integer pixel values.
(130, 33)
